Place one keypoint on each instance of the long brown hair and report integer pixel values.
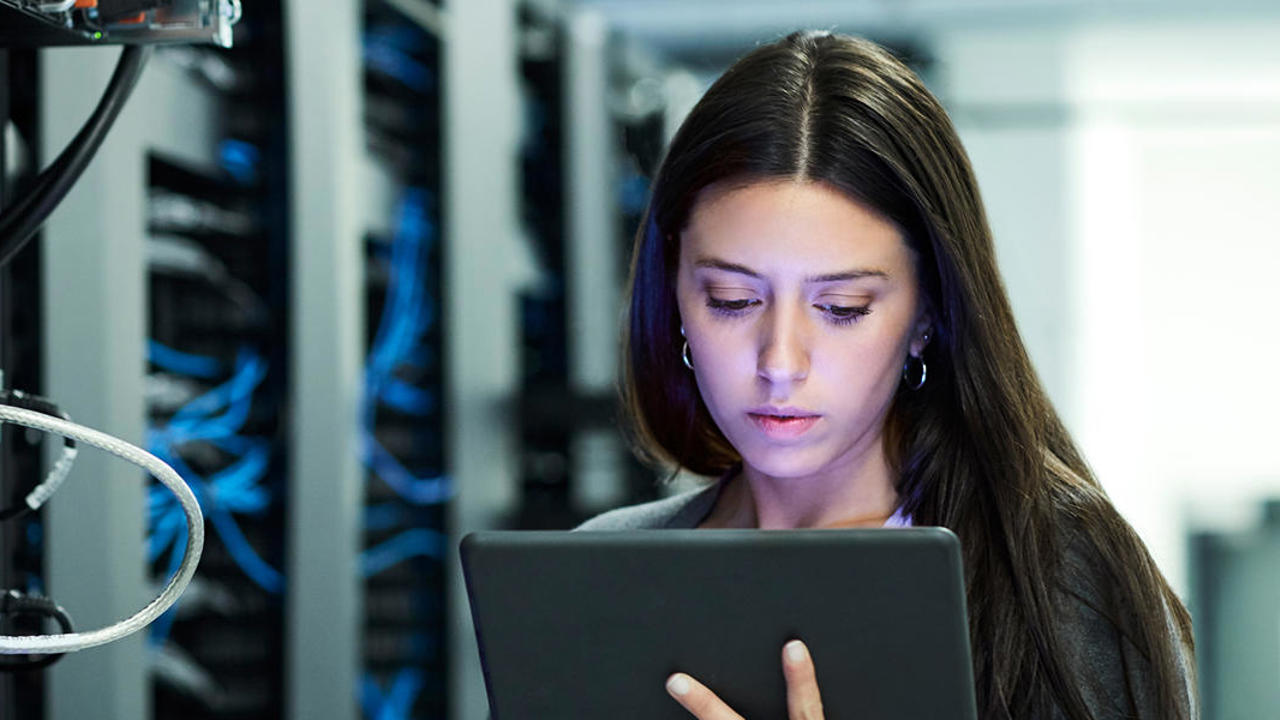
(979, 449)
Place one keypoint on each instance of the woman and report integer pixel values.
(816, 317)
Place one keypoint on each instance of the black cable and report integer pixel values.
(13, 602)
(39, 186)
(97, 123)
(21, 221)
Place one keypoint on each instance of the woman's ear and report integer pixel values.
(921, 334)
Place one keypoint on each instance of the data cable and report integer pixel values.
(194, 545)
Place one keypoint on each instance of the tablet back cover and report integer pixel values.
(590, 624)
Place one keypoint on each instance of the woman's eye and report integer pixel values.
(839, 314)
(845, 314)
(729, 307)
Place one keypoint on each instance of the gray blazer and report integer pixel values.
(1114, 677)
(683, 511)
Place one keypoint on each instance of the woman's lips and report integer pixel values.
(783, 427)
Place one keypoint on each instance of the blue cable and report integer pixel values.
(370, 697)
(216, 416)
(236, 487)
(231, 488)
(267, 577)
(182, 363)
(192, 421)
(408, 399)
(413, 235)
(397, 702)
(383, 516)
(240, 160)
(418, 542)
(407, 311)
(407, 314)
(390, 50)
(401, 37)
(404, 691)
(399, 65)
(414, 489)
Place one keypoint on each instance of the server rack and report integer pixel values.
(214, 659)
(97, 288)
(163, 262)
(216, 388)
(402, 410)
(638, 120)
(574, 456)
(545, 426)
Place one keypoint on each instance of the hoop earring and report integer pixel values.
(906, 373)
(684, 351)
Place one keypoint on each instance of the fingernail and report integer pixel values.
(678, 684)
(795, 651)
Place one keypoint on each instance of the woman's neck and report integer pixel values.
(856, 494)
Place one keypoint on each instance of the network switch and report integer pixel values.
(25, 23)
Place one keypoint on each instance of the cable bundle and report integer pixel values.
(400, 343)
(389, 50)
(216, 417)
(406, 317)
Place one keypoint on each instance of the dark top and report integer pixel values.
(1115, 678)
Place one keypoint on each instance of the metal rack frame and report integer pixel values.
(95, 289)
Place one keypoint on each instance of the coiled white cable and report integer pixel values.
(40, 493)
(70, 642)
(53, 481)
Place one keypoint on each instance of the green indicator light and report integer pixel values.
(97, 35)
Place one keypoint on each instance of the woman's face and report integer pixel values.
(799, 302)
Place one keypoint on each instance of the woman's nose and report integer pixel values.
(784, 353)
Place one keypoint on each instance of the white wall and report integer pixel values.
(1130, 172)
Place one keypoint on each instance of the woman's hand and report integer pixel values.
(803, 700)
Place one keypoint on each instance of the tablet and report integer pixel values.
(590, 624)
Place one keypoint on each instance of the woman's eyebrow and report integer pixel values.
(727, 266)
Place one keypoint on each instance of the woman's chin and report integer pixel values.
(783, 462)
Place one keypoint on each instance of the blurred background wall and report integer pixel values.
(390, 237)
